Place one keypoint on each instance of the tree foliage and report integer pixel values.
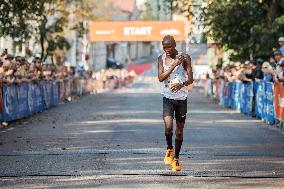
(147, 13)
(17, 18)
(249, 28)
(49, 21)
(180, 7)
(58, 19)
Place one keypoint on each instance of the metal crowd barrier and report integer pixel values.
(264, 100)
(24, 99)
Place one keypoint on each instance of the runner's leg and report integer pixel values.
(179, 138)
(180, 115)
(168, 120)
(168, 112)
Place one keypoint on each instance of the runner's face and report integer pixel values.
(168, 48)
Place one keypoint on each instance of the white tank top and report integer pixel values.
(178, 75)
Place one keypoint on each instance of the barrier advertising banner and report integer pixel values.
(38, 97)
(10, 102)
(224, 99)
(243, 99)
(269, 106)
(47, 93)
(236, 95)
(279, 100)
(265, 100)
(259, 99)
(230, 91)
(22, 100)
(246, 98)
(31, 98)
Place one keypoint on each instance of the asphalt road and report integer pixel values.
(116, 140)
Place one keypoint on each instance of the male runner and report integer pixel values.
(174, 69)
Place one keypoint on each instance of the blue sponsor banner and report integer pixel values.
(22, 100)
(35, 98)
(229, 96)
(246, 98)
(10, 102)
(236, 95)
(269, 103)
(47, 93)
(222, 86)
(38, 97)
(243, 99)
(259, 88)
(249, 98)
(31, 98)
(224, 98)
(55, 94)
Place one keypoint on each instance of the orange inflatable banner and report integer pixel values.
(136, 30)
(279, 100)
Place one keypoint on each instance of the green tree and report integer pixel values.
(249, 28)
(183, 7)
(147, 13)
(48, 20)
(17, 18)
(60, 17)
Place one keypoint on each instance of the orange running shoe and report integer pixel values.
(169, 156)
(175, 164)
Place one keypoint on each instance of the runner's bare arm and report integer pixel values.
(163, 75)
(188, 68)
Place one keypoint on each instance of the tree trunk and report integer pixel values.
(273, 11)
(42, 37)
(45, 57)
(42, 46)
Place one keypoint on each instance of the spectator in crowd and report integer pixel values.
(247, 73)
(280, 75)
(8, 72)
(257, 72)
(239, 69)
(32, 74)
(281, 43)
(2, 71)
(227, 73)
(4, 53)
(278, 57)
(269, 74)
(18, 69)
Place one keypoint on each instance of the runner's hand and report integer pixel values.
(178, 60)
(176, 86)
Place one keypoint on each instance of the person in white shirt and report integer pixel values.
(174, 69)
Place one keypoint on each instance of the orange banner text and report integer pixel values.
(136, 30)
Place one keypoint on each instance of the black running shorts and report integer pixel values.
(177, 108)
